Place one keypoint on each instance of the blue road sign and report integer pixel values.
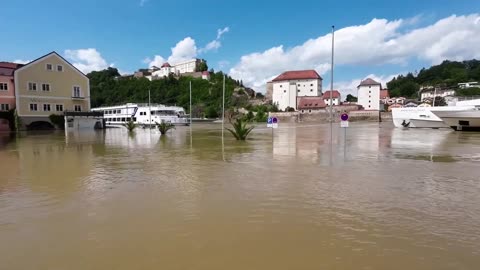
(344, 117)
(270, 120)
(274, 120)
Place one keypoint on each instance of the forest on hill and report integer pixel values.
(107, 87)
(447, 74)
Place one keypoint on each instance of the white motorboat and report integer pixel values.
(425, 117)
(143, 115)
(461, 120)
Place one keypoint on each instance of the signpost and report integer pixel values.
(274, 122)
(344, 125)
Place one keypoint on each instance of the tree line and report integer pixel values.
(447, 74)
(108, 88)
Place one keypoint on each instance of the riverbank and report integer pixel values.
(323, 116)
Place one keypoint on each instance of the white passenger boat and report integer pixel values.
(425, 117)
(143, 115)
(461, 120)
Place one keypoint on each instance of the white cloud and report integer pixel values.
(19, 61)
(350, 87)
(220, 32)
(186, 49)
(143, 2)
(223, 64)
(376, 43)
(87, 60)
(216, 43)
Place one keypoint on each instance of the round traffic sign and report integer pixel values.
(344, 117)
(275, 120)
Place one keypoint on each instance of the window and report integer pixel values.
(59, 68)
(281, 86)
(78, 108)
(46, 107)
(369, 106)
(369, 92)
(32, 86)
(298, 91)
(76, 91)
(370, 87)
(3, 86)
(119, 111)
(123, 119)
(59, 107)
(284, 91)
(311, 84)
(45, 87)
(4, 107)
(49, 67)
(311, 90)
(33, 107)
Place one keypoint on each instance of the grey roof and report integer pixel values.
(368, 82)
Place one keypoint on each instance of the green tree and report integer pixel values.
(201, 66)
(351, 98)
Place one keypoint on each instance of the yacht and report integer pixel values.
(143, 115)
(426, 117)
(461, 120)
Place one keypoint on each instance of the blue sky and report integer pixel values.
(128, 34)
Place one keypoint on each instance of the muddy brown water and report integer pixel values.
(387, 199)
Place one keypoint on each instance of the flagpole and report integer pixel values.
(223, 105)
(190, 103)
(149, 110)
(331, 86)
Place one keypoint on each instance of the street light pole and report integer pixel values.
(149, 110)
(331, 85)
(190, 103)
(223, 105)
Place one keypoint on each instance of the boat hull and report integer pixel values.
(461, 120)
(423, 117)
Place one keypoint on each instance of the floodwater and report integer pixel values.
(387, 199)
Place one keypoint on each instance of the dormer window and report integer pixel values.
(59, 68)
(49, 67)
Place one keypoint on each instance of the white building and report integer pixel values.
(292, 84)
(431, 93)
(336, 97)
(369, 94)
(166, 69)
(468, 85)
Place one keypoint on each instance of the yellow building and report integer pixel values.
(49, 85)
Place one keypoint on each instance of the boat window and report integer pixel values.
(134, 119)
(123, 119)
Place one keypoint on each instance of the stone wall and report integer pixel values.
(322, 116)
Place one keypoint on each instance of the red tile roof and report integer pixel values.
(311, 103)
(297, 75)
(166, 65)
(10, 65)
(205, 73)
(368, 82)
(384, 94)
(335, 94)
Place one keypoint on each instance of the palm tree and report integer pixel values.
(130, 125)
(164, 127)
(240, 130)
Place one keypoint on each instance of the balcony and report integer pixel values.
(78, 98)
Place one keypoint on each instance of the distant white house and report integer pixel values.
(166, 69)
(292, 84)
(468, 85)
(336, 97)
(431, 93)
(369, 94)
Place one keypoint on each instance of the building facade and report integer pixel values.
(431, 93)
(292, 84)
(49, 85)
(7, 86)
(369, 94)
(336, 98)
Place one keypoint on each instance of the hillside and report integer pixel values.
(447, 74)
(107, 88)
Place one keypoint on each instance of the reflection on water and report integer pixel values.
(387, 199)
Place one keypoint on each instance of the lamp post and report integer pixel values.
(331, 87)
